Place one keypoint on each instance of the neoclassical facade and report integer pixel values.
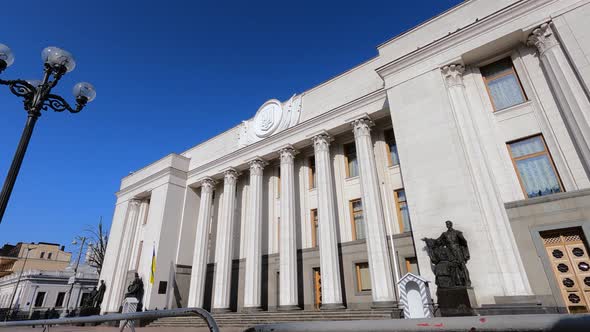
(480, 115)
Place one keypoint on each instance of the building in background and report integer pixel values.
(480, 115)
(42, 290)
(42, 256)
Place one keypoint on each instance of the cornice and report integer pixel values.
(173, 155)
(469, 31)
(237, 157)
(151, 178)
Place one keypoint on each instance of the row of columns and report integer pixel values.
(575, 109)
(379, 260)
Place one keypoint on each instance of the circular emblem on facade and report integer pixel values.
(562, 268)
(557, 253)
(584, 266)
(573, 298)
(578, 252)
(567, 282)
(268, 118)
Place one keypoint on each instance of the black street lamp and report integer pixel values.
(36, 97)
(72, 280)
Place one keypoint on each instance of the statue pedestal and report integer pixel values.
(456, 301)
(129, 306)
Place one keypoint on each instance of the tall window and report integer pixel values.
(42, 254)
(391, 148)
(312, 177)
(147, 212)
(314, 228)
(403, 215)
(412, 265)
(534, 166)
(358, 221)
(352, 166)
(59, 302)
(49, 255)
(363, 277)
(84, 298)
(39, 299)
(278, 182)
(138, 258)
(503, 85)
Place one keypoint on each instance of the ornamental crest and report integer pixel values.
(271, 118)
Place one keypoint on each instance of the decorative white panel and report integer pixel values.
(271, 118)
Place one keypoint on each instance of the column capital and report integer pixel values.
(453, 74)
(134, 202)
(231, 175)
(542, 38)
(257, 166)
(287, 154)
(362, 126)
(207, 185)
(321, 141)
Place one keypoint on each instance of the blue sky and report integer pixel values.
(169, 74)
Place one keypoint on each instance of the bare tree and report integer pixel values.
(97, 246)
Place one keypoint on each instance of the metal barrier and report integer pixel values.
(126, 319)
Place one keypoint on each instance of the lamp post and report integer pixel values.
(18, 282)
(73, 279)
(37, 96)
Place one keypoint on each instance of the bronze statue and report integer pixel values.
(97, 300)
(135, 289)
(449, 255)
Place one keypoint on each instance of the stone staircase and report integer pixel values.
(245, 320)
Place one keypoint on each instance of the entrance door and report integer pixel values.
(317, 288)
(568, 254)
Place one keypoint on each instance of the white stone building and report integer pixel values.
(41, 290)
(480, 115)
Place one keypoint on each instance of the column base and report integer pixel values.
(332, 306)
(289, 307)
(383, 305)
(220, 310)
(251, 309)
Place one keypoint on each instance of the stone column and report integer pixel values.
(199, 268)
(328, 241)
(252, 294)
(493, 213)
(224, 243)
(570, 94)
(379, 263)
(125, 253)
(287, 244)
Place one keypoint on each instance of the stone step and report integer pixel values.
(251, 319)
(275, 318)
(281, 316)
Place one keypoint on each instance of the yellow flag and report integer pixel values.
(153, 271)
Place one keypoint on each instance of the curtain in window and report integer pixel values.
(403, 209)
(394, 156)
(405, 216)
(353, 167)
(538, 176)
(536, 171)
(359, 221)
(365, 277)
(505, 91)
(527, 146)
